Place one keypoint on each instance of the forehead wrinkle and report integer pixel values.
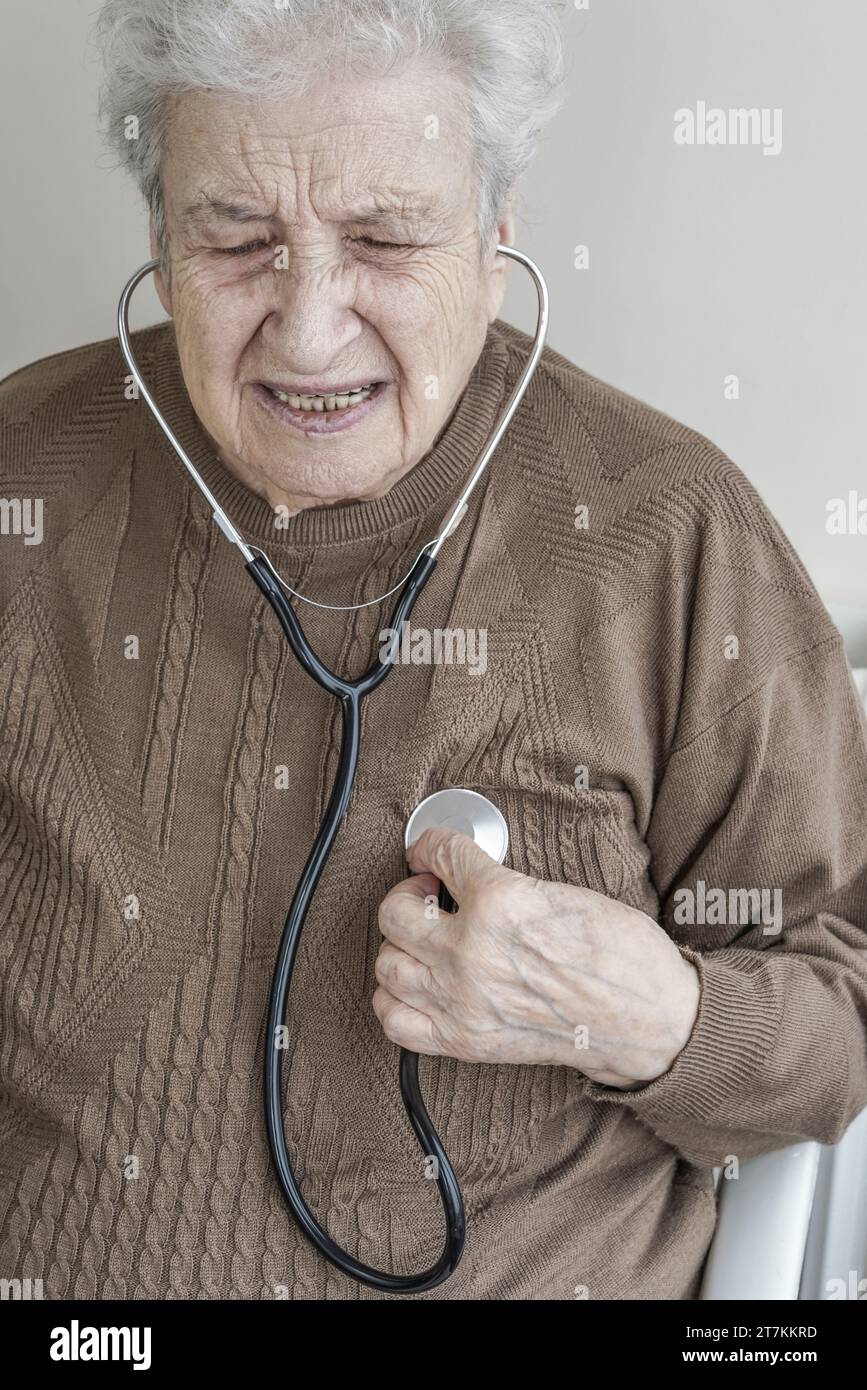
(406, 205)
(258, 137)
(249, 199)
(304, 150)
(375, 204)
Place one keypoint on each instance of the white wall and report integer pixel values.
(704, 261)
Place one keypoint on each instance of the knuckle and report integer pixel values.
(404, 972)
(435, 841)
(387, 913)
(380, 968)
(391, 1024)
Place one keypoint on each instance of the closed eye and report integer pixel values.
(243, 250)
(250, 246)
(384, 245)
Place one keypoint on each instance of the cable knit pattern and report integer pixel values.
(151, 840)
(179, 645)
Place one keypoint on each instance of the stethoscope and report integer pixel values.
(459, 808)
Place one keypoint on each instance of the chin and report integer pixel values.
(317, 493)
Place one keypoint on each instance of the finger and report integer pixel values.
(419, 886)
(409, 917)
(455, 858)
(403, 976)
(405, 1026)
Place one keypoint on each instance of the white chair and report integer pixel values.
(793, 1224)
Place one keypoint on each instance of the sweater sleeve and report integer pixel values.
(771, 796)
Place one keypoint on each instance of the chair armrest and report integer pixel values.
(762, 1224)
(835, 1262)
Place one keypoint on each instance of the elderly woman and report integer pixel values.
(667, 973)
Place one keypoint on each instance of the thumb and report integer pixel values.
(457, 861)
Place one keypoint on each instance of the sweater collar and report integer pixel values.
(429, 487)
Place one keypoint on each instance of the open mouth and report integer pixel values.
(320, 413)
(343, 401)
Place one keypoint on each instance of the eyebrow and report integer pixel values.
(404, 205)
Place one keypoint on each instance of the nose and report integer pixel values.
(312, 324)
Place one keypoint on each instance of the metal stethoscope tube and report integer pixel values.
(350, 695)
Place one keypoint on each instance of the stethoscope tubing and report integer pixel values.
(350, 694)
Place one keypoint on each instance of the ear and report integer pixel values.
(159, 279)
(499, 265)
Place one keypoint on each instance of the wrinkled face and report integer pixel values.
(326, 249)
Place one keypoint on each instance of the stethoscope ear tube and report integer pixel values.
(350, 694)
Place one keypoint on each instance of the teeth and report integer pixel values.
(324, 403)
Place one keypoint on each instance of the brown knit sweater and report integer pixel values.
(149, 846)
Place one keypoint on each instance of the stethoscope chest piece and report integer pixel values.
(457, 808)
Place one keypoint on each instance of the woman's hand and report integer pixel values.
(528, 971)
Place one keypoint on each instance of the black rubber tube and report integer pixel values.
(350, 694)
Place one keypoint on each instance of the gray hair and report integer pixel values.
(506, 54)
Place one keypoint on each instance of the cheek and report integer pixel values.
(426, 320)
(214, 326)
(212, 337)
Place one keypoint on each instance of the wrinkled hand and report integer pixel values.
(527, 971)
